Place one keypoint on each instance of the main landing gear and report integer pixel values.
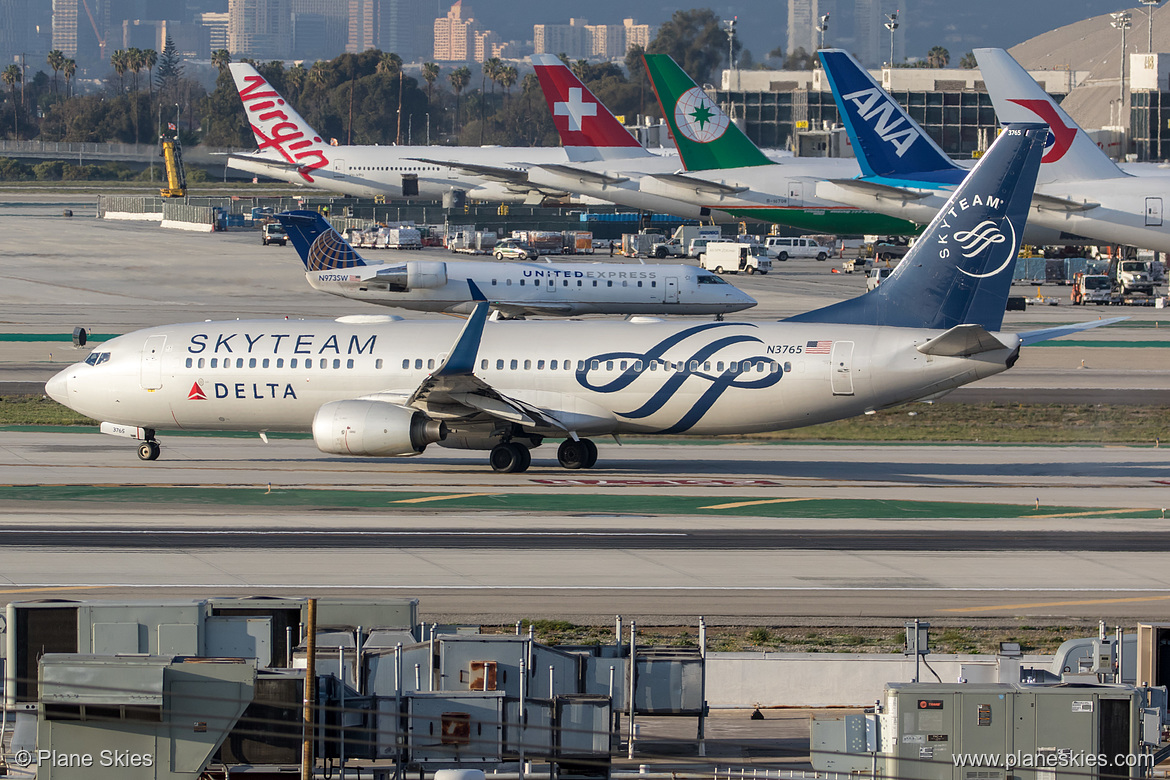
(149, 450)
(513, 458)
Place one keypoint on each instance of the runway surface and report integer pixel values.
(661, 530)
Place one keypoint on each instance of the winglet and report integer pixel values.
(320, 246)
(888, 142)
(589, 131)
(706, 137)
(461, 358)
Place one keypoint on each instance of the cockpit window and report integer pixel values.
(97, 358)
(710, 279)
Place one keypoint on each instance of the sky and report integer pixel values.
(958, 25)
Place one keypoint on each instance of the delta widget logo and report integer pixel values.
(698, 118)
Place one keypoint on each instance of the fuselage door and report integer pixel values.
(842, 367)
(339, 166)
(410, 185)
(671, 293)
(1153, 212)
(152, 352)
(795, 193)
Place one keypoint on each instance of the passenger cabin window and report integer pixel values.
(483, 364)
(514, 364)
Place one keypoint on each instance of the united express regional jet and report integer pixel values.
(392, 388)
(513, 289)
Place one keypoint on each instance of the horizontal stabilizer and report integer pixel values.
(697, 185)
(1044, 334)
(962, 341)
(1053, 203)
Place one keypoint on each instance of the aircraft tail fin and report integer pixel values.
(960, 270)
(888, 142)
(706, 138)
(319, 245)
(588, 130)
(279, 130)
(1069, 153)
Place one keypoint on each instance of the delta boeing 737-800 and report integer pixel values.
(393, 388)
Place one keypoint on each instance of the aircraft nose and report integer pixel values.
(57, 387)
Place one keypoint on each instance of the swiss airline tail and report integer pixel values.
(280, 131)
(588, 130)
(1069, 155)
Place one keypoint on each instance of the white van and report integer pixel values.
(783, 248)
(733, 257)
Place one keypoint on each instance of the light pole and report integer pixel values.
(1150, 6)
(1122, 20)
(822, 27)
(891, 25)
(731, 47)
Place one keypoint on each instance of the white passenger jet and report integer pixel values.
(1081, 196)
(391, 388)
(290, 150)
(514, 289)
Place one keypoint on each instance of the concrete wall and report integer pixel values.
(736, 680)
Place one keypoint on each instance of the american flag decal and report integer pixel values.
(818, 347)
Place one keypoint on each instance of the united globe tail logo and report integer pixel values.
(698, 118)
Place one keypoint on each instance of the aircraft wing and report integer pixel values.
(698, 185)
(583, 175)
(275, 162)
(879, 191)
(519, 309)
(489, 172)
(453, 390)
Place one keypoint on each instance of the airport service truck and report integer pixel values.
(685, 241)
(736, 256)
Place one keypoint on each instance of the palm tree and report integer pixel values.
(459, 78)
(938, 57)
(11, 77)
(390, 64)
(507, 78)
(69, 69)
(120, 60)
(318, 74)
(220, 58)
(430, 73)
(492, 69)
(294, 79)
(134, 63)
(56, 60)
(149, 60)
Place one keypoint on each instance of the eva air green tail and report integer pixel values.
(705, 137)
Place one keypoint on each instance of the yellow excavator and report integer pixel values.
(172, 153)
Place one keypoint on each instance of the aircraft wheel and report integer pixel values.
(149, 450)
(590, 454)
(751, 269)
(509, 458)
(573, 454)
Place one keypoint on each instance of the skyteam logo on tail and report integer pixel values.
(875, 108)
(698, 118)
(973, 242)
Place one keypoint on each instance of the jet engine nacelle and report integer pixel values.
(425, 274)
(376, 428)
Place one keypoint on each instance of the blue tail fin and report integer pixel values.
(960, 269)
(888, 143)
(319, 245)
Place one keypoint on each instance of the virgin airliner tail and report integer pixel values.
(281, 133)
(587, 128)
(1069, 155)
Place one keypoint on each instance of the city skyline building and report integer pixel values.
(260, 28)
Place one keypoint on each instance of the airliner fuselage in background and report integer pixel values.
(512, 289)
(290, 150)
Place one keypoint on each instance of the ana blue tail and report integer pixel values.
(319, 245)
(960, 269)
(888, 143)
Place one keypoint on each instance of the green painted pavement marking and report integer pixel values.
(562, 503)
(55, 336)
